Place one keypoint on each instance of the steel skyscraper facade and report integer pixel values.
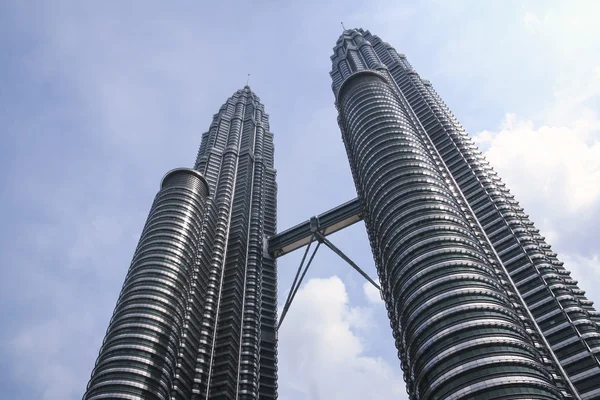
(196, 318)
(479, 305)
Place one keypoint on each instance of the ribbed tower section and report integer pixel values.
(148, 350)
(461, 328)
(565, 317)
(237, 357)
(197, 313)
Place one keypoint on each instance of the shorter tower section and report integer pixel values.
(144, 353)
(196, 318)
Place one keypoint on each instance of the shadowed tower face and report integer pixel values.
(197, 313)
(236, 157)
(479, 305)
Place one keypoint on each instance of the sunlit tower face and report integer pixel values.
(460, 264)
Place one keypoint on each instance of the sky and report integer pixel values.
(98, 100)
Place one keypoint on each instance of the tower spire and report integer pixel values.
(343, 27)
(248, 80)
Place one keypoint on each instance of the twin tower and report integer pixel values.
(480, 307)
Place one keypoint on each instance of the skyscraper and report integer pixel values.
(479, 305)
(196, 316)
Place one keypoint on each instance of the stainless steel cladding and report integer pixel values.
(479, 305)
(567, 319)
(143, 353)
(563, 315)
(457, 334)
(197, 314)
(237, 356)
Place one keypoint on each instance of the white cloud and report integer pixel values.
(558, 166)
(531, 20)
(553, 169)
(323, 353)
(372, 294)
(587, 271)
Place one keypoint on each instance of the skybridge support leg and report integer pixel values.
(297, 283)
(301, 273)
(323, 239)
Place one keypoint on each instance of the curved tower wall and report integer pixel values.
(456, 330)
(566, 320)
(196, 318)
(153, 325)
(535, 281)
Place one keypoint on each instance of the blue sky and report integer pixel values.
(98, 101)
